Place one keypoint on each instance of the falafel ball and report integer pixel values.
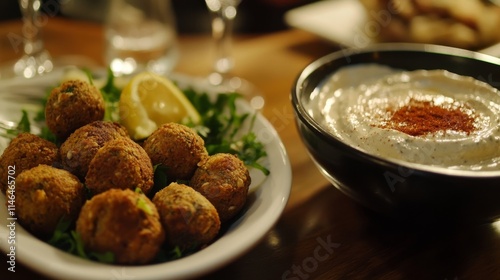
(224, 180)
(45, 195)
(178, 147)
(82, 145)
(123, 222)
(189, 219)
(26, 151)
(120, 164)
(72, 105)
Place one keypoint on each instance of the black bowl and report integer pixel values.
(399, 189)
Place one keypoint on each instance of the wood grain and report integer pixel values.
(322, 234)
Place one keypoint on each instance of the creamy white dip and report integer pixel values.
(354, 105)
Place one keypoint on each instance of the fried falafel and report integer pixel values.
(120, 163)
(177, 147)
(82, 145)
(26, 151)
(224, 180)
(188, 218)
(123, 222)
(72, 105)
(45, 195)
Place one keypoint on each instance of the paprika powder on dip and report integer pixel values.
(431, 117)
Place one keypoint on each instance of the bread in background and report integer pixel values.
(469, 24)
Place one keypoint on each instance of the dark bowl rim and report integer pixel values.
(305, 118)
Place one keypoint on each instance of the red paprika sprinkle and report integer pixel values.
(419, 118)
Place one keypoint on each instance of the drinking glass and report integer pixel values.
(223, 13)
(36, 60)
(141, 35)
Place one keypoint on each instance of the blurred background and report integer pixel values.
(255, 16)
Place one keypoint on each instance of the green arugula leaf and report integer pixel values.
(48, 135)
(60, 238)
(176, 252)
(160, 177)
(107, 257)
(40, 114)
(79, 246)
(70, 241)
(110, 90)
(111, 94)
(22, 126)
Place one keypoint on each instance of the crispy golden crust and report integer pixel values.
(224, 180)
(82, 145)
(72, 105)
(24, 152)
(122, 222)
(120, 164)
(44, 195)
(178, 148)
(188, 218)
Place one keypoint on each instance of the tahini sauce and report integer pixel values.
(352, 104)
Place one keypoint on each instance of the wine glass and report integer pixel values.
(223, 13)
(36, 60)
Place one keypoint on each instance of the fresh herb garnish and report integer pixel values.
(22, 126)
(70, 241)
(40, 114)
(250, 150)
(46, 134)
(141, 203)
(61, 238)
(160, 177)
(176, 252)
(220, 128)
(110, 90)
(111, 94)
(169, 253)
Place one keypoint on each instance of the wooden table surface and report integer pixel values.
(322, 234)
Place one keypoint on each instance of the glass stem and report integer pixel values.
(222, 28)
(30, 10)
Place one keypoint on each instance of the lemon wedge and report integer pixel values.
(150, 100)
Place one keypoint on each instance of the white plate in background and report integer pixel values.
(343, 22)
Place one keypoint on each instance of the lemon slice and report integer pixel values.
(148, 101)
